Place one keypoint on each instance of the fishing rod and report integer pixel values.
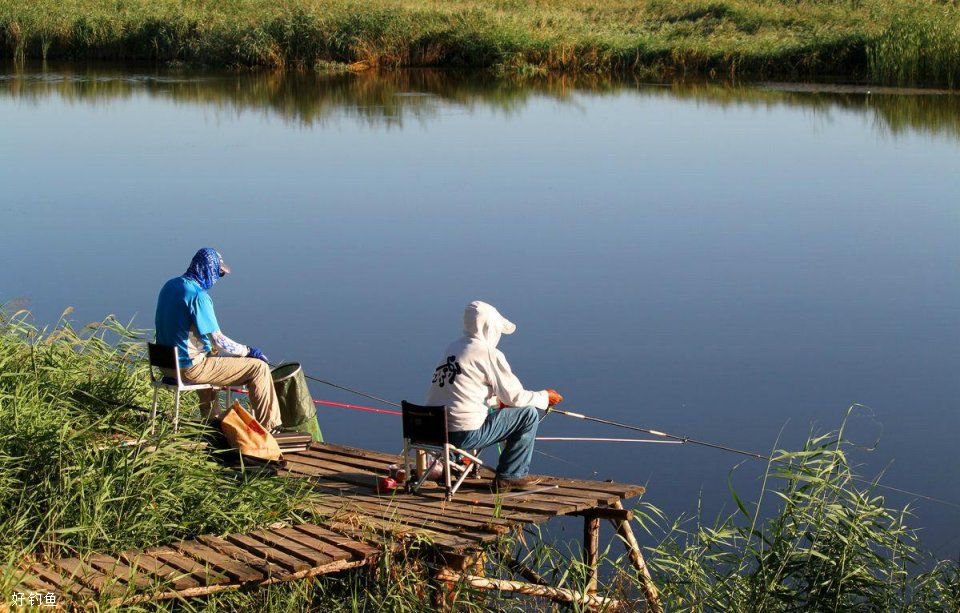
(583, 439)
(673, 438)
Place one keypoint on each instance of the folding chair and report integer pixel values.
(425, 429)
(166, 359)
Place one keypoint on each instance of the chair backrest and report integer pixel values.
(165, 358)
(424, 425)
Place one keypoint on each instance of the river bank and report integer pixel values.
(916, 42)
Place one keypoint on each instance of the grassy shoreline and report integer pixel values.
(884, 41)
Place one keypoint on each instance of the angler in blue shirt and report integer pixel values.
(186, 320)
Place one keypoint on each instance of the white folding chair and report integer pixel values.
(165, 359)
(425, 429)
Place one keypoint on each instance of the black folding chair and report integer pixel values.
(425, 429)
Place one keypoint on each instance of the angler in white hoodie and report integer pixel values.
(485, 401)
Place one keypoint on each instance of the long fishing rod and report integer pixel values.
(750, 454)
(674, 438)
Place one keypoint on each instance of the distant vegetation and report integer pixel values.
(816, 539)
(887, 41)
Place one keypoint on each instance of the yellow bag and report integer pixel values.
(246, 434)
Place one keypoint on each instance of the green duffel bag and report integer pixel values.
(297, 411)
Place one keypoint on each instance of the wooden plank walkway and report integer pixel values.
(358, 523)
(198, 567)
(476, 516)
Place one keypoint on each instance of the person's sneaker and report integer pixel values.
(505, 485)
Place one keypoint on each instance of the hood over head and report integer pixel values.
(206, 267)
(483, 321)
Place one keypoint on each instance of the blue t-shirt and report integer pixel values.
(184, 319)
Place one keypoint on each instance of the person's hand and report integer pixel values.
(554, 397)
(256, 353)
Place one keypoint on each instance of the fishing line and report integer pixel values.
(352, 391)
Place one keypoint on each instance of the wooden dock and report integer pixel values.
(359, 525)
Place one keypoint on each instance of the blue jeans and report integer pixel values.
(517, 426)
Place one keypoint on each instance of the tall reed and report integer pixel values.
(892, 41)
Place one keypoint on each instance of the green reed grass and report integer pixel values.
(68, 488)
(893, 41)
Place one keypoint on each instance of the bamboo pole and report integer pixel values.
(519, 568)
(558, 594)
(591, 550)
(636, 557)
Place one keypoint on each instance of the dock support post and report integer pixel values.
(636, 557)
(591, 550)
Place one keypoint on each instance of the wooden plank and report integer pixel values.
(53, 575)
(204, 574)
(35, 583)
(314, 543)
(176, 578)
(235, 569)
(112, 567)
(257, 548)
(358, 549)
(89, 576)
(610, 513)
(293, 548)
(527, 504)
(268, 568)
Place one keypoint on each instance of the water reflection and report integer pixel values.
(389, 99)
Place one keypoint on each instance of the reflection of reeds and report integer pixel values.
(379, 97)
(892, 40)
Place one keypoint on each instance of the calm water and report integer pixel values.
(730, 263)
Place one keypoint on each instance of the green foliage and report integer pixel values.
(919, 46)
(68, 485)
(830, 544)
(892, 41)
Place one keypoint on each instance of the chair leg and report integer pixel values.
(153, 411)
(446, 471)
(176, 411)
(406, 465)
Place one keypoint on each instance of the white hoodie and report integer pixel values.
(473, 374)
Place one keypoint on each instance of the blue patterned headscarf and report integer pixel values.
(205, 268)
